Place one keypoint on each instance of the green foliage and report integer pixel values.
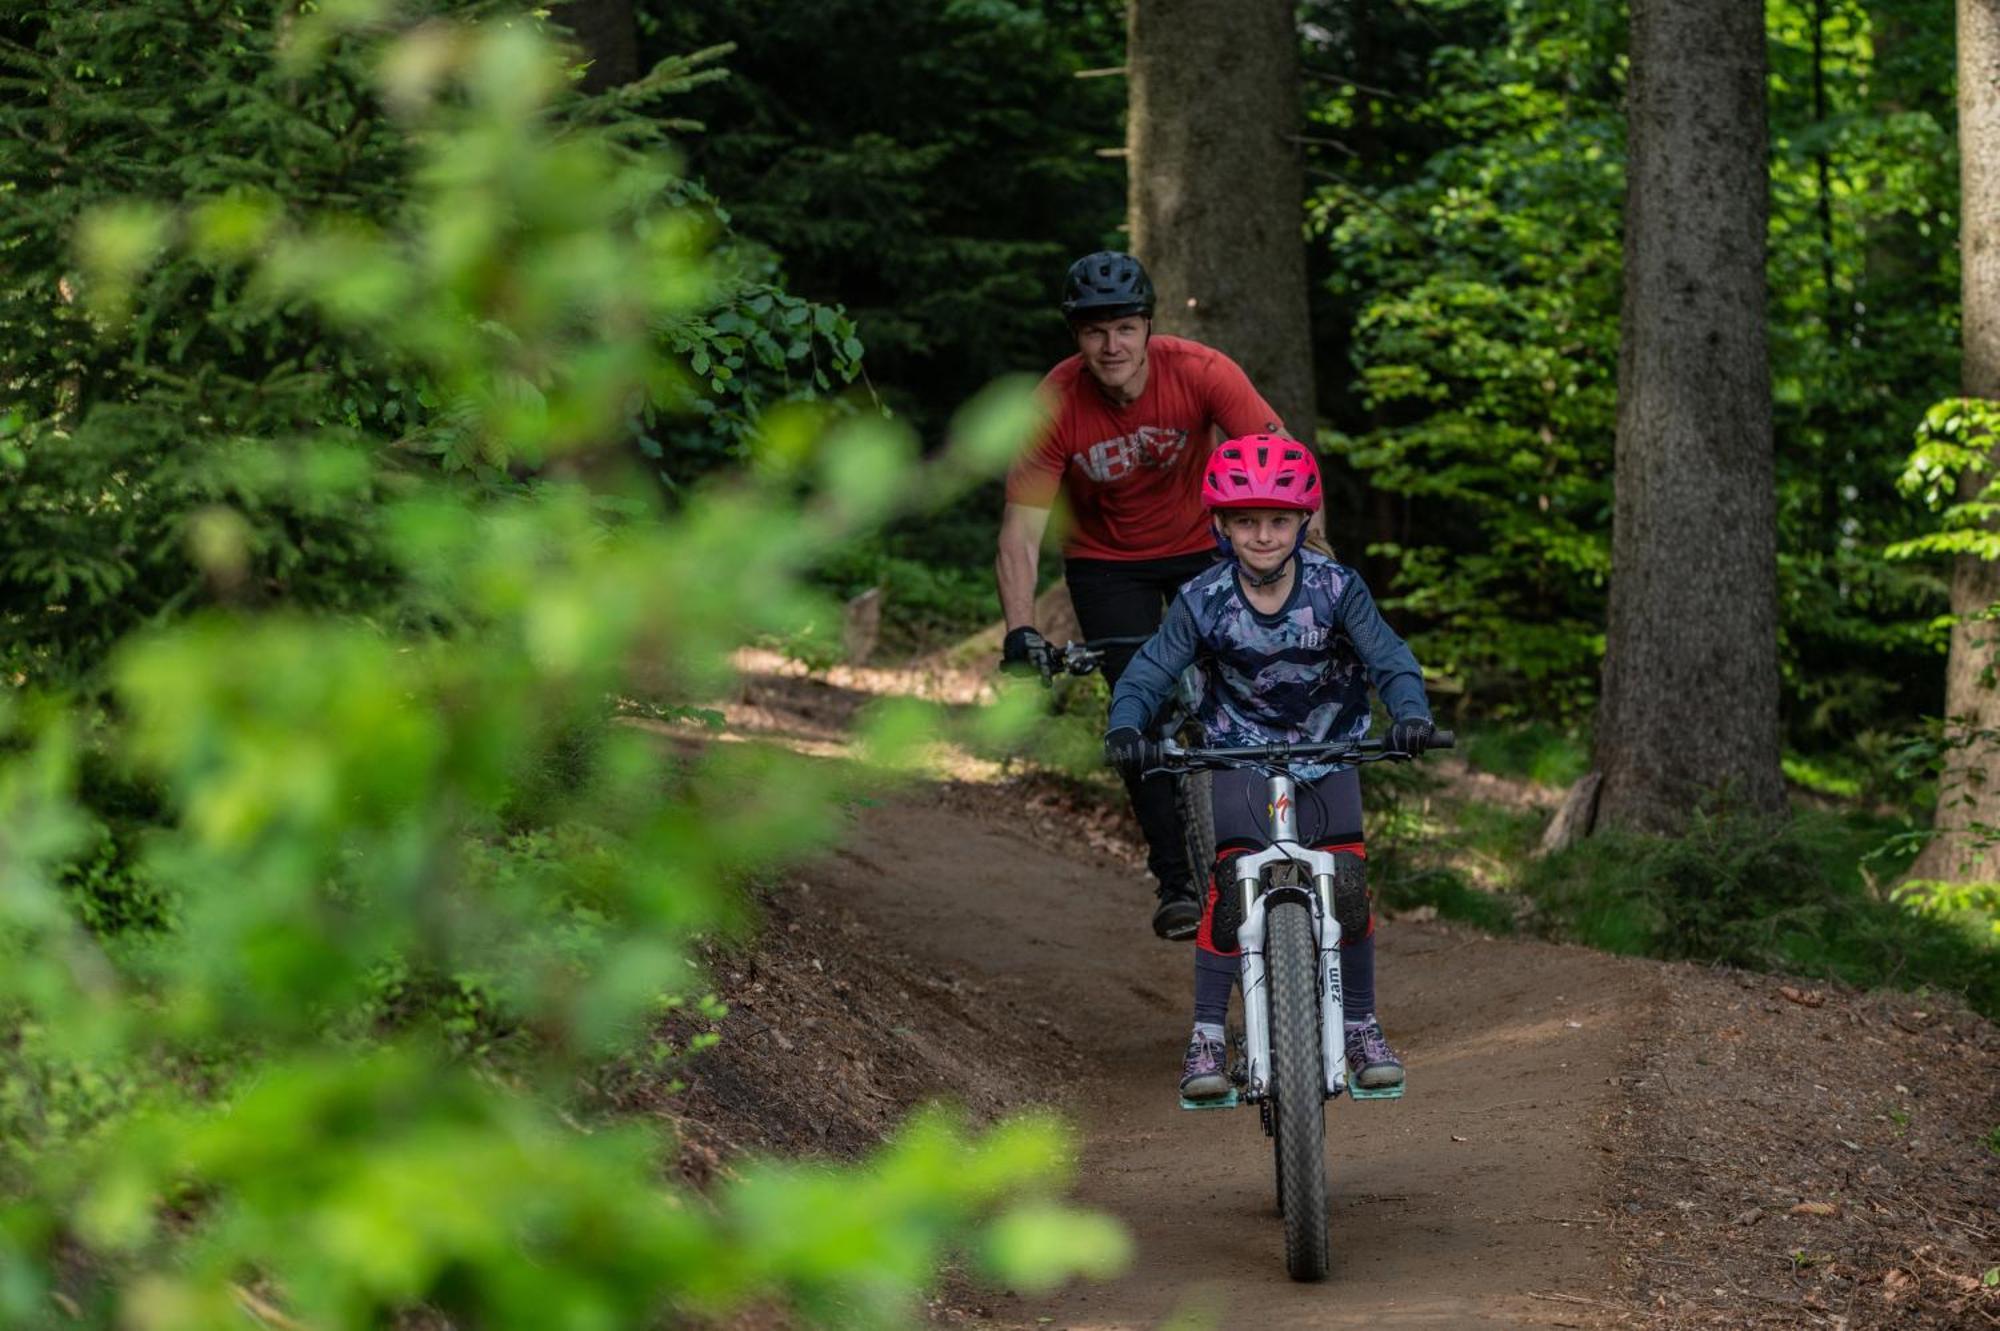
(756, 348)
(405, 885)
(1457, 859)
(1487, 287)
(1874, 769)
(1535, 751)
(1475, 249)
(935, 571)
(1447, 891)
(1949, 470)
(1864, 336)
(1801, 897)
(1954, 448)
(123, 447)
(1738, 891)
(1965, 903)
(933, 167)
(923, 603)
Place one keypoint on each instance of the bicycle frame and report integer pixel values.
(1249, 869)
(1294, 1121)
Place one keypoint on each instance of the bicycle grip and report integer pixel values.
(1442, 739)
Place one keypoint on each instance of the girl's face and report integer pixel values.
(1263, 538)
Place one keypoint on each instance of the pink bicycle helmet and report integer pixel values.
(1261, 471)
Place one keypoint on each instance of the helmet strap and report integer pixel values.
(1264, 579)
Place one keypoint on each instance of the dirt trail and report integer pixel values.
(1588, 1141)
(1449, 1205)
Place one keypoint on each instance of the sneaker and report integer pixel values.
(1370, 1061)
(1178, 914)
(1205, 1073)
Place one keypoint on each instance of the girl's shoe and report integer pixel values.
(1205, 1073)
(1371, 1063)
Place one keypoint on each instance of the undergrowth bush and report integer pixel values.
(935, 570)
(1803, 896)
(1546, 754)
(1420, 849)
(1739, 890)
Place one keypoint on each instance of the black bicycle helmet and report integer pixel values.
(1106, 285)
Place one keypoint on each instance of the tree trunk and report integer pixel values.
(1216, 197)
(1691, 659)
(609, 35)
(1967, 847)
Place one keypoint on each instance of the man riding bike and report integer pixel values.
(1131, 420)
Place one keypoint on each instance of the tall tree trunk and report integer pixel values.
(1967, 847)
(609, 35)
(1216, 197)
(1691, 657)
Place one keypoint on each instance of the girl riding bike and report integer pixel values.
(1287, 642)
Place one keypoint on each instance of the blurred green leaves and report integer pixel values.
(420, 878)
(116, 244)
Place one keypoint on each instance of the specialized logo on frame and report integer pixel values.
(1148, 446)
(1271, 811)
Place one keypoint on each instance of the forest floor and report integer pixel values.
(1588, 1140)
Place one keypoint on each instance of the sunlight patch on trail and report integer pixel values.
(932, 683)
(777, 700)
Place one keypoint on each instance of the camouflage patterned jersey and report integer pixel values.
(1300, 675)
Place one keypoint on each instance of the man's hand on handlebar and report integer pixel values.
(1412, 735)
(1130, 752)
(1025, 650)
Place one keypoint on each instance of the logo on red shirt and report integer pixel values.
(1148, 446)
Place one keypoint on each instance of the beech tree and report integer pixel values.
(1216, 193)
(1690, 705)
(1967, 845)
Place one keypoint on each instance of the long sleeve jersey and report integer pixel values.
(1300, 675)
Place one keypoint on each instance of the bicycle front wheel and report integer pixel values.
(1298, 1097)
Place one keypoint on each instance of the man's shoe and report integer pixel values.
(1371, 1063)
(1205, 1073)
(1178, 915)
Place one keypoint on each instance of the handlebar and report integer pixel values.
(1081, 658)
(1175, 757)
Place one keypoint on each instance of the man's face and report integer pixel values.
(1261, 538)
(1113, 350)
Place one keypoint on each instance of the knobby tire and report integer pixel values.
(1297, 1089)
(1193, 790)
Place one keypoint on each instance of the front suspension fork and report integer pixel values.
(1251, 937)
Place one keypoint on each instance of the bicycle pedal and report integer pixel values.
(1360, 1092)
(1229, 1101)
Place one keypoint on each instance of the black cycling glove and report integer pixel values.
(1025, 650)
(1411, 735)
(1130, 752)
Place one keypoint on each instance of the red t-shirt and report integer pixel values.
(1132, 474)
